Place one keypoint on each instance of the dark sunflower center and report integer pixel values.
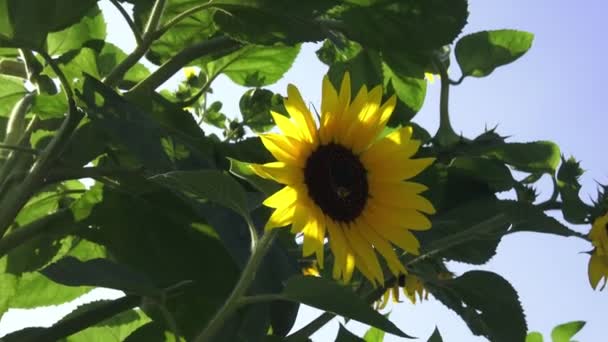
(337, 182)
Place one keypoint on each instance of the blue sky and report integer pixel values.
(554, 92)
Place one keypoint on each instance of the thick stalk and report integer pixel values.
(243, 284)
(129, 21)
(220, 45)
(155, 17)
(445, 135)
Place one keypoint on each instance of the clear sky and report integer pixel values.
(555, 92)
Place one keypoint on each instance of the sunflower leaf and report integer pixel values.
(327, 295)
(436, 337)
(480, 53)
(483, 300)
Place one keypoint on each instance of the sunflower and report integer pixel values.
(342, 178)
(598, 264)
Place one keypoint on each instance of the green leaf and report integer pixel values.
(214, 117)
(526, 217)
(114, 329)
(436, 336)
(209, 185)
(564, 332)
(121, 119)
(99, 273)
(255, 105)
(478, 54)
(195, 28)
(50, 106)
(489, 171)
(29, 27)
(243, 170)
(534, 336)
(365, 70)
(151, 332)
(574, 209)
(538, 156)
(11, 91)
(384, 25)
(406, 80)
(327, 295)
(255, 65)
(483, 300)
(267, 21)
(92, 26)
(346, 336)
(331, 53)
(374, 334)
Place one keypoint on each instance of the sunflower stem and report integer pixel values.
(234, 301)
(445, 135)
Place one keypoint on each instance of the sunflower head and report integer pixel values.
(345, 182)
(598, 264)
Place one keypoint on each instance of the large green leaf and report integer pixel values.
(243, 170)
(564, 332)
(486, 302)
(28, 28)
(478, 54)
(70, 271)
(365, 70)
(267, 21)
(92, 26)
(526, 217)
(490, 171)
(11, 91)
(193, 29)
(50, 106)
(209, 185)
(374, 334)
(436, 336)
(121, 120)
(255, 65)
(327, 295)
(406, 80)
(409, 25)
(534, 336)
(256, 105)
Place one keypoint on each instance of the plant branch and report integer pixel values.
(445, 135)
(125, 15)
(248, 300)
(27, 232)
(221, 45)
(457, 82)
(19, 148)
(12, 204)
(245, 280)
(155, 17)
(63, 174)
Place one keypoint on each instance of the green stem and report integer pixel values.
(25, 233)
(155, 17)
(19, 148)
(129, 21)
(247, 276)
(12, 204)
(220, 45)
(248, 300)
(445, 135)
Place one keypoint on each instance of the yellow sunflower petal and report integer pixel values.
(393, 194)
(350, 118)
(396, 217)
(598, 269)
(400, 169)
(299, 112)
(349, 266)
(280, 172)
(364, 132)
(337, 243)
(281, 217)
(329, 110)
(384, 113)
(400, 237)
(286, 149)
(314, 238)
(287, 126)
(366, 252)
(384, 248)
(284, 197)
